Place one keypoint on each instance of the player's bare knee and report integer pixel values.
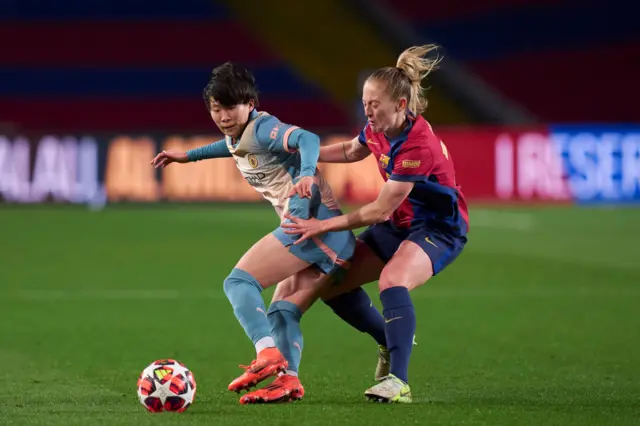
(288, 293)
(303, 300)
(392, 277)
(302, 289)
(284, 289)
(305, 296)
(302, 297)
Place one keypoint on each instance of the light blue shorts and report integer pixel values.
(329, 252)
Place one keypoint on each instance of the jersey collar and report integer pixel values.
(411, 119)
(252, 116)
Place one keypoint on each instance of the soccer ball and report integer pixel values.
(166, 385)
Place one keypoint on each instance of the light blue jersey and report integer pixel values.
(272, 156)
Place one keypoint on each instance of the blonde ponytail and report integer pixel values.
(417, 67)
(405, 79)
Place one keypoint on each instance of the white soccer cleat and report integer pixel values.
(389, 390)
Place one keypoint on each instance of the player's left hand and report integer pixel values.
(306, 228)
(303, 187)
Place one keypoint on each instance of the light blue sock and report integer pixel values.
(285, 328)
(245, 295)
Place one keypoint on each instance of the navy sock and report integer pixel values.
(400, 326)
(356, 309)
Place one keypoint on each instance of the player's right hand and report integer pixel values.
(167, 157)
(303, 187)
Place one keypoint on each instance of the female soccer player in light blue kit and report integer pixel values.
(274, 157)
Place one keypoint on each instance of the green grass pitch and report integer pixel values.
(538, 321)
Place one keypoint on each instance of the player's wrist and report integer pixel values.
(325, 226)
(336, 223)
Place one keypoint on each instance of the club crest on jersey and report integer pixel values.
(253, 161)
(384, 161)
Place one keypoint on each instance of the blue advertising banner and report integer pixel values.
(601, 163)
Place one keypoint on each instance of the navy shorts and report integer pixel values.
(441, 247)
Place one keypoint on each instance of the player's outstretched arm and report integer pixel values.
(214, 150)
(217, 149)
(344, 152)
(390, 197)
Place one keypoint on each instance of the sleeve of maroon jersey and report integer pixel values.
(412, 163)
(362, 137)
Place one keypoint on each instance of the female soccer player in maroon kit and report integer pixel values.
(417, 225)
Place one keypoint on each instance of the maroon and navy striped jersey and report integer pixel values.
(418, 155)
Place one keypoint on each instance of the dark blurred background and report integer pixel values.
(124, 65)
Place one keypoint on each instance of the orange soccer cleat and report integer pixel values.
(284, 388)
(268, 363)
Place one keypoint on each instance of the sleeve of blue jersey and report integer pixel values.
(274, 135)
(217, 149)
(278, 137)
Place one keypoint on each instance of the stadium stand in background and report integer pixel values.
(565, 60)
(122, 65)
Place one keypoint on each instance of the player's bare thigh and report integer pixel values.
(270, 262)
(302, 289)
(365, 267)
(409, 267)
